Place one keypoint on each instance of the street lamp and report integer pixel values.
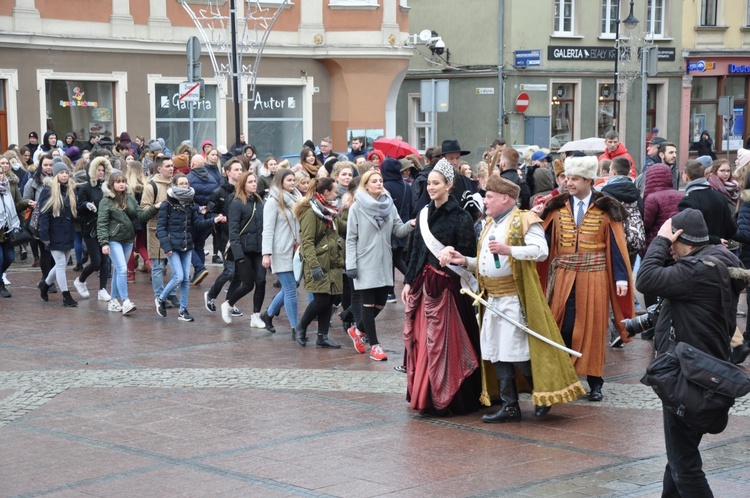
(630, 23)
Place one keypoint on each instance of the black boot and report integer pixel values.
(508, 413)
(4, 292)
(68, 300)
(739, 354)
(43, 290)
(268, 322)
(300, 336)
(325, 342)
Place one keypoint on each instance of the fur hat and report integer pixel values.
(693, 225)
(446, 169)
(559, 167)
(585, 167)
(743, 157)
(500, 185)
(58, 166)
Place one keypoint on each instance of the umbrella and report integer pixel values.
(592, 144)
(394, 148)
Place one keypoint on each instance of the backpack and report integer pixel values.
(635, 231)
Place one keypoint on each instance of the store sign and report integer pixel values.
(527, 58)
(183, 105)
(77, 100)
(561, 53)
(533, 87)
(738, 69)
(273, 103)
(701, 66)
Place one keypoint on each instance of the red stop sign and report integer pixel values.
(522, 102)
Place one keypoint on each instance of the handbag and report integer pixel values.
(695, 386)
(228, 253)
(19, 235)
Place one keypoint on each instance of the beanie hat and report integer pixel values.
(309, 144)
(706, 161)
(57, 166)
(155, 146)
(694, 229)
(124, 137)
(743, 157)
(181, 161)
(585, 167)
(73, 153)
(34, 135)
(161, 142)
(446, 169)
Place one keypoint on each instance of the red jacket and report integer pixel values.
(660, 200)
(620, 151)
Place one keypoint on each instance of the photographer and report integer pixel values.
(700, 306)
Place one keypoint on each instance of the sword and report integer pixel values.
(519, 324)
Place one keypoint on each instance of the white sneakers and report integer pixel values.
(127, 307)
(81, 288)
(103, 294)
(114, 306)
(5, 280)
(256, 322)
(226, 312)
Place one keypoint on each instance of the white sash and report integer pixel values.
(468, 281)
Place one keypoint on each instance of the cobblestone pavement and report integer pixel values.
(95, 404)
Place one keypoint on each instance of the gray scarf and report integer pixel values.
(183, 195)
(380, 209)
(699, 184)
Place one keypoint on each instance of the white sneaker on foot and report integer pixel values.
(226, 312)
(103, 295)
(127, 307)
(114, 305)
(81, 288)
(256, 322)
(5, 280)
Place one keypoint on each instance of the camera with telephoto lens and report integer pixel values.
(643, 323)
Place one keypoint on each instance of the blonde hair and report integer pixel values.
(55, 202)
(366, 178)
(134, 176)
(341, 166)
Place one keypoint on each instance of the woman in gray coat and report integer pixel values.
(372, 221)
(280, 239)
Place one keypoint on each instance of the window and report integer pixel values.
(276, 119)
(655, 18)
(564, 11)
(420, 126)
(82, 107)
(609, 18)
(353, 3)
(173, 122)
(708, 12)
(562, 114)
(605, 110)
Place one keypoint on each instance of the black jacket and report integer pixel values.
(625, 192)
(88, 193)
(176, 224)
(699, 302)
(219, 204)
(203, 183)
(715, 211)
(400, 193)
(451, 225)
(58, 232)
(249, 241)
(524, 198)
(461, 184)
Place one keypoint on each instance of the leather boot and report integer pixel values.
(300, 336)
(44, 290)
(68, 300)
(740, 353)
(3, 290)
(508, 413)
(325, 342)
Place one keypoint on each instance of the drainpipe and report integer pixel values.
(500, 62)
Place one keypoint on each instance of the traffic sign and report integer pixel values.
(522, 102)
(193, 50)
(190, 91)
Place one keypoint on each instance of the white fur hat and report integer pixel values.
(585, 167)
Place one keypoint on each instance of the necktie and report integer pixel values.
(579, 216)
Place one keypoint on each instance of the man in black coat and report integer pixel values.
(713, 206)
(700, 294)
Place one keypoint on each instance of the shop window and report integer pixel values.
(655, 18)
(275, 119)
(605, 110)
(702, 117)
(564, 14)
(703, 88)
(735, 86)
(82, 107)
(420, 123)
(609, 18)
(562, 115)
(173, 116)
(708, 12)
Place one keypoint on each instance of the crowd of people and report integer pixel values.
(549, 246)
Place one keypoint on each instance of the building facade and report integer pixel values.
(556, 83)
(329, 68)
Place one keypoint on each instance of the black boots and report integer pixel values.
(44, 290)
(68, 300)
(268, 322)
(739, 354)
(4, 292)
(325, 342)
(300, 336)
(508, 413)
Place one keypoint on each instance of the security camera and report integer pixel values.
(439, 46)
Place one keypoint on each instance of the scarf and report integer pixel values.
(729, 189)
(4, 186)
(380, 209)
(324, 210)
(8, 216)
(183, 195)
(699, 184)
(310, 169)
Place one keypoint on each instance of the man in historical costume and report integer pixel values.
(588, 269)
(511, 242)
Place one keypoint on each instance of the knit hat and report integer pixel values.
(446, 169)
(585, 167)
(73, 153)
(743, 157)
(694, 229)
(181, 161)
(706, 161)
(309, 144)
(57, 166)
(34, 135)
(155, 146)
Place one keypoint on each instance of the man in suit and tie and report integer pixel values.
(588, 268)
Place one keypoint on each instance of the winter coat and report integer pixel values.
(147, 203)
(321, 248)
(114, 224)
(18, 200)
(245, 241)
(743, 227)
(219, 204)
(620, 151)
(713, 205)
(215, 171)
(264, 184)
(524, 198)
(623, 189)
(660, 200)
(34, 186)
(368, 247)
(280, 232)
(91, 191)
(176, 224)
(400, 193)
(58, 232)
(704, 146)
(203, 183)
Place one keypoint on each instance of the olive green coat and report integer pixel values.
(114, 224)
(328, 253)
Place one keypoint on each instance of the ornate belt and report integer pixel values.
(499, 286)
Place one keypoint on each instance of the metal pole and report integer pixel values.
(235, 71)
(433, 82)
(500, 63)
(617, 66)
(644, 96)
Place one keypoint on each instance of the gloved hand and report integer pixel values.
(317, 273)
(351, 273)
(91, 207)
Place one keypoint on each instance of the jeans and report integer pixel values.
(287, 297)
(180, 263)
(7, 256)
(78, 248)
(119, 254)
(683, 475)
(97, 261)
(197, 256)
(157, 276)
(58, 271)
